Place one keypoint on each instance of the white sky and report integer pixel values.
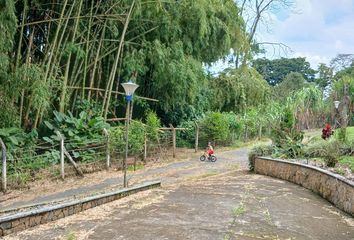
(315, 29)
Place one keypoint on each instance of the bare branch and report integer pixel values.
(279, 49)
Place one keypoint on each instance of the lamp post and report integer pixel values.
(129, 89)
(336, 105)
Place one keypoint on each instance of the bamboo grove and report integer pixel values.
(72, 55)
(58, 54)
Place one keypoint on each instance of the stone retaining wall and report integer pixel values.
(23, 220)
(335, 188)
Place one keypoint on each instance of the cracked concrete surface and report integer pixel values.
(207, 201)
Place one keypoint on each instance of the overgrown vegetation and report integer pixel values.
(62, 64)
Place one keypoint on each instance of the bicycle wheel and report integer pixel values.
(202, 158)
(213, 158)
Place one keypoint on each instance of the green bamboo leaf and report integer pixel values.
(14, 140)
(47, 139)
(49, 125)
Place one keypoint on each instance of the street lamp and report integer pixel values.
(129, 89)
(336, 105)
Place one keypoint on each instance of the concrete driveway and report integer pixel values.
(204, 200)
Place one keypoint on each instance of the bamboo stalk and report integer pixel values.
(119, 17)
(87, 50)
(49, 63)
(108, 92)
(66, 75)
(95, 62)
(21, 35)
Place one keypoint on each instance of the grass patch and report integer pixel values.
(71, 236)
(314, 135)
(350, 133)
(347, 160)
(239, 210)
(137, 167)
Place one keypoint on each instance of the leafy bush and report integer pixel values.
(117, 139)
(341, 135)
(136, 138)
(15, 138)
(216, 127)
(152, 126)
(235, 125)
(328, 150)
(186, 138)
(77, 130)
(286, 137)
(258, 150)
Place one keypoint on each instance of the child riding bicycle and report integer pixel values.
(209, 150)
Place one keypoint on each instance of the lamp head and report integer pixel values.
(336, 104)
(129, 87)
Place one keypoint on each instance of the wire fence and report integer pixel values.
(43, 159)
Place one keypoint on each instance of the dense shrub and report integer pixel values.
(329, 151)
(286, 137)
(216, 127)
(186, 138)
(136, 138)
(258, 150)
(152, 126)
(79, 130)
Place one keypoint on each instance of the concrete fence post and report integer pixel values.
(4, 167)
(173, 140)
(196, 137)
(145, 147)
(62, 152)
(108, 156)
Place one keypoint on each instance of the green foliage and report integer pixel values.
(186, 138)
(116, 139)
(275, 71)
(230, 90)
(235, 125)
(347, 160)
(286, 137)
(176, 78)
(341, 135)
(343, 90)
(292, 82)
(328, 150)
(8, 114)
(258, 151)
(77, 131)
(136, 137)
(216, 127)
(152, 126)
(325, 76)
(15, 138)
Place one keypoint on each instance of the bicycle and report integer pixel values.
(211, 158)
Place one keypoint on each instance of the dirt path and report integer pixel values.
(204, 200)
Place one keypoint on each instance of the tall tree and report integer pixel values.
(274, 71)
(325, 76)
(292, 83)
(7, 31)
(256, 12)
(238, 89)
(68, 51)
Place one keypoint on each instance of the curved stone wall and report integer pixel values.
(335, 188)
